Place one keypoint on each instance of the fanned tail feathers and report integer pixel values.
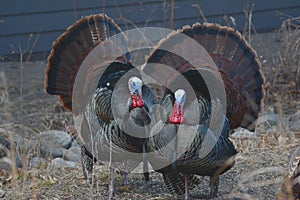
(235, 59)
(73, 46)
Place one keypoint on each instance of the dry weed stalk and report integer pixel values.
(201, 12)
(8, 118)
(290, 59)
(12, 129)
(172, 15)
(248, 11)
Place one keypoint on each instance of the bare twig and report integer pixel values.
(248, 23)
(172, 15)
(200, 11)
(34, 43)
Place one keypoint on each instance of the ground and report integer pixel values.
(257, 174)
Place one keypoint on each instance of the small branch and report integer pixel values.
(34, 43)
(200, 11)
(172, 15)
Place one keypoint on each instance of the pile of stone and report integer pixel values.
(53, 147)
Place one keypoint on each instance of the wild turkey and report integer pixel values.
(290, 188)
(191, 149)
(223, 69)
(88, 69)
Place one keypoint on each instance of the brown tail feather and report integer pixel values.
(72, 47)
(236, 60)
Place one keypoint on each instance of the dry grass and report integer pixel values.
(290, 59)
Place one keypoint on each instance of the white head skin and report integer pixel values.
(135, 87)
(177, 113)
(180, 96)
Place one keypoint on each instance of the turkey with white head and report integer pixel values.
(221, 77)
(88, 69)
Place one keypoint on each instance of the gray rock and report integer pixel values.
(72, 154)
(57, 138)
(36, 162)
(295, 126)
(59, 162)
(5, 153)
(2, 193)
(18, 162)
(294, 121)
(75, 144)
(52, 142)
(50, 151)
(295, 117)
(5, 142)
(243, 133)
(5, 164)
(270, 124)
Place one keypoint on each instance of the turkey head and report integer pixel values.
(177, 113)
(135, 88)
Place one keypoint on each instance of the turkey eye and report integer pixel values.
(108, 84)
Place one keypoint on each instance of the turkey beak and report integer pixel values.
(177, 113)
(135, 87)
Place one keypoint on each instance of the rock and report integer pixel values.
(5, 164)
(5, 142)
(75, 144)
(267, 120)
(294, 121)
(57, 138)
(36, 162)
(295, 126)
(243, 133)
(72, 154)
(270, 124)
(59, 162)
(3, 151)
(50, 151)
(5, 154)
(2, 193)
(52, 143)
(18, 162)
(295, 117)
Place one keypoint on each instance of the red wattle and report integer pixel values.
(136, 101)
(176, 119)
(176, 116)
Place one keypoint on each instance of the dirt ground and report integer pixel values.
(257, 174)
